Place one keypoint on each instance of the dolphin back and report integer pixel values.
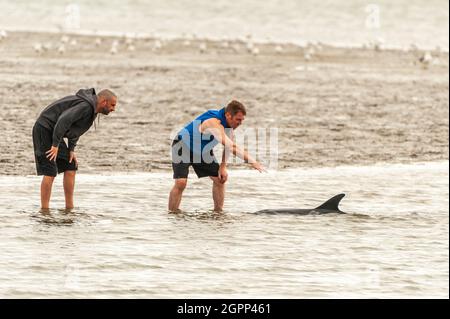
(332, 204)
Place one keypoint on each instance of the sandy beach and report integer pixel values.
(338, 112)
(332, 106)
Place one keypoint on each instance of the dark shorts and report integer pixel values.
(202, 168)
(42, 142)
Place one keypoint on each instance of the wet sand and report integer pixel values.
(341, 107)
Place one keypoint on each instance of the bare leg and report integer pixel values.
(69, 186)
(218, 191)
(46, 191)
(176, 194)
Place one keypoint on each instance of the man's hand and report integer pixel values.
(223, 174)
(73, 157)
(258, 166)
(52, 153)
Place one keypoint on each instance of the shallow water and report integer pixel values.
(350, 22)
(121, 242)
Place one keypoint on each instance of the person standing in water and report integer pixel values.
(69, 117)
(193, 146)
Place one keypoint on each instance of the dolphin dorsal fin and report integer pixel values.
(332, 203)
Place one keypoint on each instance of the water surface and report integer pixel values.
(121, 242)
(349, 22)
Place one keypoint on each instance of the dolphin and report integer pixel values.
(330, 206)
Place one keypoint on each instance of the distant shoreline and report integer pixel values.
(301, 43)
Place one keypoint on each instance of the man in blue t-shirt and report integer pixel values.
(193, 146)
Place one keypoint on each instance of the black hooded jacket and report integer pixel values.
(70, 117)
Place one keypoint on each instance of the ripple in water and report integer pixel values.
(121, 242)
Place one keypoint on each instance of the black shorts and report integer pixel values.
(202, 168)
(42, 142)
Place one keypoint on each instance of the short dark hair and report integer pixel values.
(107, 94)
(235, 107)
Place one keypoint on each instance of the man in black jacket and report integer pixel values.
(69, 117)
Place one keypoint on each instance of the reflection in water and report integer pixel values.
(58, 217)
(214, 218)
(122, 242)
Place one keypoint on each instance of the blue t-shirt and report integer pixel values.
(196, 141)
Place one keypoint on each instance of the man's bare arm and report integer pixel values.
(226, 152)
(213, 126)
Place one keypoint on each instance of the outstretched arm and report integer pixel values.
(226, 152)
(214, 127)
